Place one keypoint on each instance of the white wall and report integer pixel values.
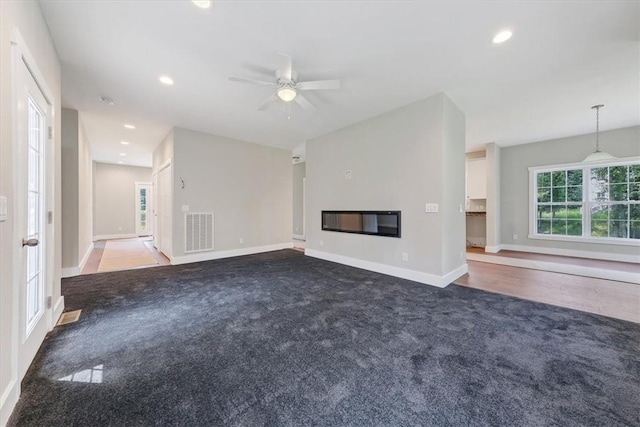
(85, 196)
(114, 199)
(70, 192)
(514, 184)
(493, 221)
(27, 18)
(399, 160)
(77, 194)
(299, 173)
(247, 186)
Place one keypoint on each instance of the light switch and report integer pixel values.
(3, 208)
(431, 208)
(348, 174)
(185, 208)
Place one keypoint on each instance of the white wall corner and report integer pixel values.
(8, 400)
(76, 271)
(211, 255)
(403, 273)
(85, 258)
(70, 272)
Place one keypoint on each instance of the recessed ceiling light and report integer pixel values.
(204, 4)
(130, 126)
(166, 80)
(125, 142)
(120, 162)
(123, 154)
(502, 36)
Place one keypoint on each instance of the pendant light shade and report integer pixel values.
(597, 156)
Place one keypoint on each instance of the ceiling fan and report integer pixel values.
(287, 87)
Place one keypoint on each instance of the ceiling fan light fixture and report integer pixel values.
(287, 94)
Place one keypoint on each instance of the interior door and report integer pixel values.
(31, 215)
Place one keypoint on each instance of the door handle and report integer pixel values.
(30, 242)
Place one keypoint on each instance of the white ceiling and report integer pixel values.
(564, 57)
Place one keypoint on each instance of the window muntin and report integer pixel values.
(591, 201)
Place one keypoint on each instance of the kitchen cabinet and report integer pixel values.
(477, 179)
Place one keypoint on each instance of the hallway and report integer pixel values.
(123, 254)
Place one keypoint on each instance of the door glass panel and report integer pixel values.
(34, 277)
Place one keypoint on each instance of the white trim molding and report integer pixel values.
(208, 256)
(76, 271)
(114, 236)
(8, 400)
(606, 256)
(492, 249)
(58, 308)
(403, 273)
(299, 237)
(558, 267)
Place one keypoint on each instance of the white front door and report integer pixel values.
(143, 209)
(32, 203)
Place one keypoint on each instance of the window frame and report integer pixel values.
(586, 203)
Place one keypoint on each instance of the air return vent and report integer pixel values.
(198, 229)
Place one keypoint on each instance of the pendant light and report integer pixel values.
(597, 155)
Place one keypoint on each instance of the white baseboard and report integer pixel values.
(58, 308)
(573, 253)
(208, 256)
(114, 236)
(70, 272)
(493, 249)
(76, 271)
(8, 400)
(403, 273)
(299, 237)
(557, 267)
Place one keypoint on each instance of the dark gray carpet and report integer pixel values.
(286, 340)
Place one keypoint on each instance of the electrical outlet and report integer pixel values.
(515, 237)
(405, 257)
(348, 174)
(321, 243)
(241, 240)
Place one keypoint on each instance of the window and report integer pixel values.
(599, 202)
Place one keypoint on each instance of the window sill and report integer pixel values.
(580, 239)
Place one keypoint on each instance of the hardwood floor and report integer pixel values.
(606, 297)
(93, 262)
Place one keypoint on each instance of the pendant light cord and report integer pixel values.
(597, 108)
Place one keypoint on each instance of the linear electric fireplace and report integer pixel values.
(375, 223)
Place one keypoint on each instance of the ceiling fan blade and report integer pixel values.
(304, 103)
(287, 67)
(319, 85)
(269, 102)
(253, 81)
